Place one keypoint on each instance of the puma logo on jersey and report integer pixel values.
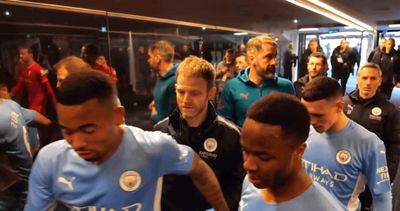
(67, 182)
(245, 96)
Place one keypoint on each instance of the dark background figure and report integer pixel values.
(356, 50)
(204, 52)
(388, 61)
(380, 47)
(146, 78)
(313, 46)
(342, 60)
(289, 60)
(89, 54)
(226, 67)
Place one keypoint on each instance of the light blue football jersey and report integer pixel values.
(14, 139)
(314, 198)
(343, 162)
(129, 180)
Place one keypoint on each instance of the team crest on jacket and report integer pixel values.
(210, 145)
(376, 111)
(130, 181)
(343, 157)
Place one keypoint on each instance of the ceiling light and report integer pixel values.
(7, 13)
(204, 28)
(240, 33)
(394, 25)
(308, 29)
(295, 21)
(332, 13)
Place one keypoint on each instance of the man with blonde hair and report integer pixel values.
(69, 65)
(195, 123)
(257, 80)
(161, 57)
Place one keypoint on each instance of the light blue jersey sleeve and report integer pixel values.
(40, 195)
(377, 174)
(29, 115)
(173, 158)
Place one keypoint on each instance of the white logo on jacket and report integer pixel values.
(67, 182)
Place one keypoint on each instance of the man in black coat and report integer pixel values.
(195, 123)
(342, 60)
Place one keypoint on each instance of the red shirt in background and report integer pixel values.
(36, 84)
(109, 71)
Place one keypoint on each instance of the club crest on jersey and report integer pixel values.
(130, 181)
(210, 145)
(376, 111)
(343, 157)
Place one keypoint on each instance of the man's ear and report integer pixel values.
(340, 105)
(300, 150)
(119, 113)
(251, 59)
(212, 92)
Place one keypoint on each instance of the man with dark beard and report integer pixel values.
(257, 80)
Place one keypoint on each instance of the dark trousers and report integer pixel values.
(343, 77)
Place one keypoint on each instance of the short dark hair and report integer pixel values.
(80, 87)
(319, 55)
(30, 50)
(320, 88)
(229, 51)
(285, 111)
(239, 54)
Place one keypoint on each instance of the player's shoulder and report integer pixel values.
(227, 125)
(149, 141)
(55, 150)
(363, 135)
(11, 103)
(329, 202)
(283, 81)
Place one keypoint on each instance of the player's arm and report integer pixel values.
(376, 171)
(41, 119)
(46, 83)
(206, 182)
(18, 87)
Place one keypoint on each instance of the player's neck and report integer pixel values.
(254, 77)
(165, 67)
(340, 123)
(293, 186)
(29, 63)
(198, 120)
